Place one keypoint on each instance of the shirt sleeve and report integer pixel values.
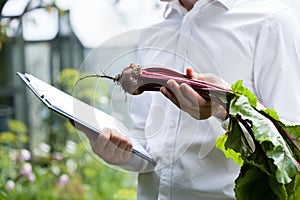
(277, 65)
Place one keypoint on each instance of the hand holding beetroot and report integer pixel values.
(190, 101)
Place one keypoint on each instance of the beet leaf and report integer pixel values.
(266, 147)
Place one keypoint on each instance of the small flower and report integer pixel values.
(55, 169)
(25, 155)
(10, 185)
(42, 150)
(71, 146)
(63, 180)
(26, 170)
(71, 166)
(31, 177)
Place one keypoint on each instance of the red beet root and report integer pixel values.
(135, 80)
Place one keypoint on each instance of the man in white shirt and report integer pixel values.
(256, 41)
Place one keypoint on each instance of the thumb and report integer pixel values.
(191, 74)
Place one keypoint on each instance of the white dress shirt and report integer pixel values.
(253, 40)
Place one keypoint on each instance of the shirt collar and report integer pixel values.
(175, 4)
(227, 3)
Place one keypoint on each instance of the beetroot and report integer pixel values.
(135, 80)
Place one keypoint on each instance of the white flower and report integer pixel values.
(26, 170)
(63, 180)
(71, 146)
(10, 185)
(31, 177)
(45, 147)
(71, 165)
(42, 150)
(55, 169)
(25, 155)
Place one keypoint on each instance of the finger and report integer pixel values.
(129, 147)
(173, 87)
(170, 95)
(183, 101)
(176, 96)
(107, 147)
(127, 153)
(118, 142)
(189, 72)
(125, 144)
(200, 109)
(193, 97)
(101, 142)
(122, 144)
(124, 148)
(118, 150)
(115, 138)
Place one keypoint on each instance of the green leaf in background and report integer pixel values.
(17, 127)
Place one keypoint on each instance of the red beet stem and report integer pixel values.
(180, 78)
(153, 78)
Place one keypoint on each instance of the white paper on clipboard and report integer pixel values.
(91, 118)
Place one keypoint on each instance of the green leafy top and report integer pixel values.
(266, 148)
(268, 141)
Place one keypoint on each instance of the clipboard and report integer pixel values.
(92, 119)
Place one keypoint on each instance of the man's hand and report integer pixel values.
(112, 147)
(188, 100)
(108, 145)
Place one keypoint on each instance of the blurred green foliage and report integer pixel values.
(16, 137)
(3, 34)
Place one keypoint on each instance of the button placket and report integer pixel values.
(181, 51)
(184, 34)
(167, 171)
